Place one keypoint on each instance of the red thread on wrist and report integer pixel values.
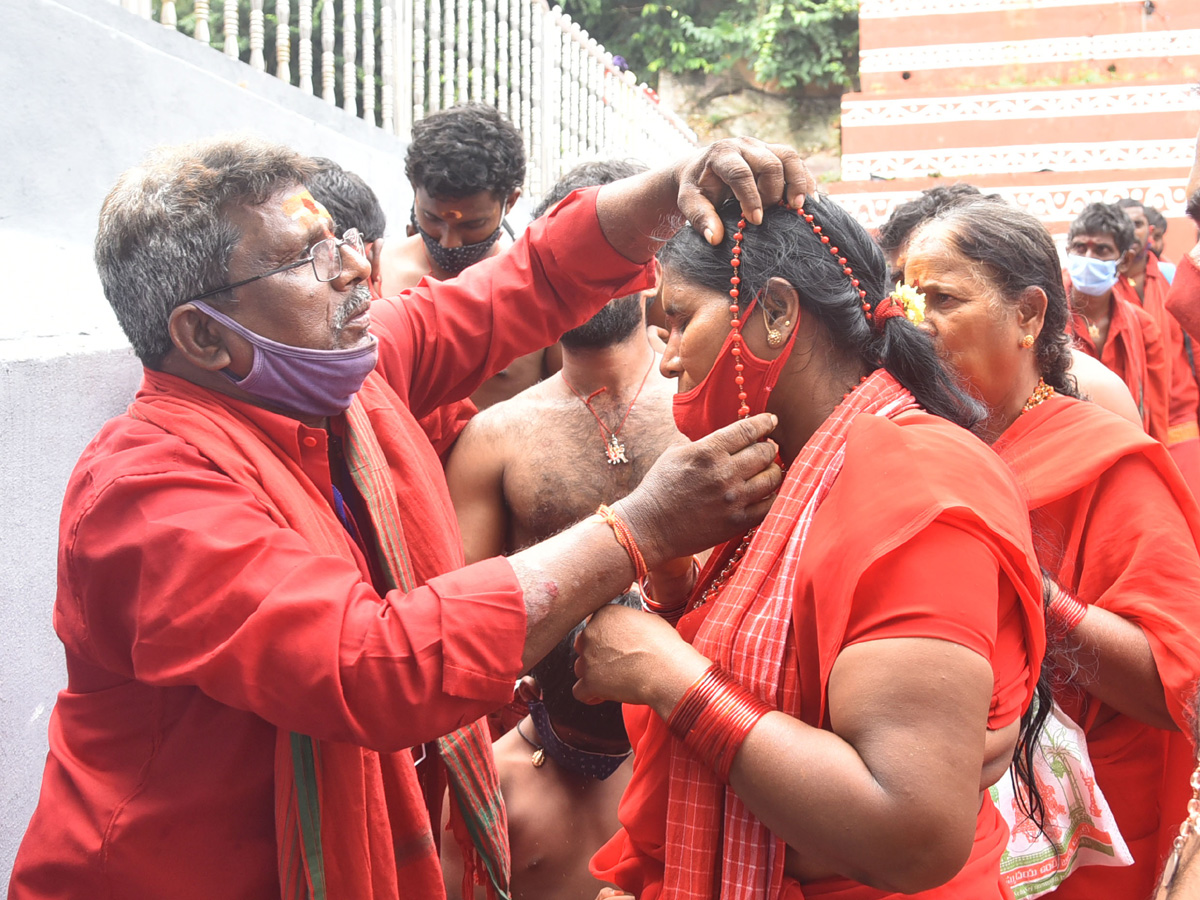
(625, 539)
(714, 716)
(1063, 614)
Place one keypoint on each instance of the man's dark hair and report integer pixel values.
(895, 232)
(1156, 219)
(1104, 218)
(348, 198)
(588, 174)
(464, 150)
(1193, 206)
(556, 677)
(621, 318)
(1130, 203)
(164, 235)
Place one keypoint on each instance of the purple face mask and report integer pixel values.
(311, 382)
(582, 762)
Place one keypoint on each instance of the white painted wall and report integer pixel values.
(87, 89)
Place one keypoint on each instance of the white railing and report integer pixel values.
(557, 84)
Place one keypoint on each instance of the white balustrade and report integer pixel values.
(557, 84)
(283, 41)
(305, 15)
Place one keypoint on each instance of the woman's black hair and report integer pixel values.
(1015, 252)
(786, 246)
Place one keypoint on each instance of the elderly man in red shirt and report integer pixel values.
(276, 658)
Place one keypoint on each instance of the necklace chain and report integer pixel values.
(614, 449)
(728, 569)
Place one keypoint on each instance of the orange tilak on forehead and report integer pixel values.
(452, 214)
(303, 208)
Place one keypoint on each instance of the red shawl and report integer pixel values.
(1115, 523)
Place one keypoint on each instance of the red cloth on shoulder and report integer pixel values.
(1183, 434)
(907, 486)
(1136, 352)
(1115, 523)
(1183, 299)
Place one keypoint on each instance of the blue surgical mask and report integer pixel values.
(582, 762)
(1091, 276)
(312, 382)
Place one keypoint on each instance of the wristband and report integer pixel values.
(625, 539)
(714, 716)
(1063, 613)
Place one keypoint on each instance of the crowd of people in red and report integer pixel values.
(693, 543)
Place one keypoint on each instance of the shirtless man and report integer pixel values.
(529, 467)
(562, 772)
(585, 436)
(466, 165)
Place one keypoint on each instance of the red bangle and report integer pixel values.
(625, 539)
(714, 716)
(1063, 613)
(671, 613)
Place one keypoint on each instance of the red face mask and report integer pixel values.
(713, 403)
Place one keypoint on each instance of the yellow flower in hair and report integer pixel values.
(912, 300)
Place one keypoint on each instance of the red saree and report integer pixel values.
(1115, 523)
(891, 518)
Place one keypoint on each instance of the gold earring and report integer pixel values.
(774, 335)
(1028, 341)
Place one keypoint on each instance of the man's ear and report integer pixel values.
(1127, 258)
(197, 339)
(511, 201)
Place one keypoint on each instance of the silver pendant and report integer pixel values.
(615, 451)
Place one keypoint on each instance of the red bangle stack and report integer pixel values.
(714, 716)
(625, 539)
(671, 613)
(1063, 614)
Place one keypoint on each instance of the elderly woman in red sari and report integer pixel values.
(1114, 525)
(848, 679)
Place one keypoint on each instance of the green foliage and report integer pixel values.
(786, 42)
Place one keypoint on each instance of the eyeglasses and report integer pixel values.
(325, 257)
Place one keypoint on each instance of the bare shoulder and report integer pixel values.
(1103, 386)
(402, 264)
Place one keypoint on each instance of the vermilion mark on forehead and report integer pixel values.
(1093, 243)
(303, 208)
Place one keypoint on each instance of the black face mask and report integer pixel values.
(455, 259)
(582, 762)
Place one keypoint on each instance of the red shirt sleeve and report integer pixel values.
(945, 583)
(173, 574)
(442, 339)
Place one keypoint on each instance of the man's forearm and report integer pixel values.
(635, 213)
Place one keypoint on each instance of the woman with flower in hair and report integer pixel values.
(847, 679)
(1114, 524)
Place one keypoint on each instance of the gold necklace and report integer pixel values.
(1040, 395)
(727, 570)
(538, 758)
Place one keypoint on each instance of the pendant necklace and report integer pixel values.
(614, 449)
(539, 752)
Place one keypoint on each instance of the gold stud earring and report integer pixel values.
(774, 335)
(1028, 341)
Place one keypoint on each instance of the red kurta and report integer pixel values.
(1183, 299)
(195, 625)
(1114, 522)
(1134, 350)
(1183, 436)
(911, 489)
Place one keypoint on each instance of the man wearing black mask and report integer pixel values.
(466, 165)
